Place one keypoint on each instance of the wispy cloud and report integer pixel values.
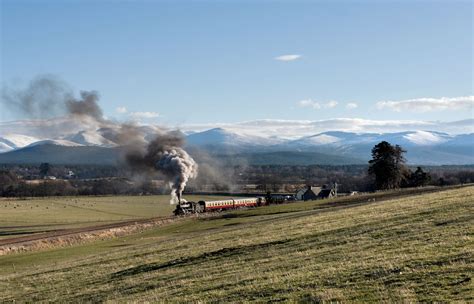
(142, 115)
(121, 110)
(263, 127)
(427, 104)
(137, 115)
(351, 105)
(298, 128)
(288, 57)
(309, 103)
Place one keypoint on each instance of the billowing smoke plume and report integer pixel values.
(47, 96)
(165, 154)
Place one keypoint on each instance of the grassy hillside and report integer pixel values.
(418, 248)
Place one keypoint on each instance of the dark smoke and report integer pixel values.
(86, 106)
(47, 96)
(129, 135)
(44, 97)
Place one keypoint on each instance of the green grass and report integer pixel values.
(20, 217)
(417, 248)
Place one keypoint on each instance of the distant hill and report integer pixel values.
(57, 154)
(295, 158)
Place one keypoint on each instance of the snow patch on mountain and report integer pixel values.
(90, 138)
(17, 140)
(4, 147)
(221, 136)
(10, 142)
(320, 139)
(57, 142)
(424, 138)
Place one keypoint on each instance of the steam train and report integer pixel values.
(185, 207)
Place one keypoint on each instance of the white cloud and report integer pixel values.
(309, 103)
(141, 115)
(121, 110)
(351, 105)
(137, 115)
(289, 57)
(428, 104)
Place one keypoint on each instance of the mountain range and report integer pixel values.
(333, 147)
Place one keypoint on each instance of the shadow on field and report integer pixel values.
(238, 214)
(245, 215)
(222, 253)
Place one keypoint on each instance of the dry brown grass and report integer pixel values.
(417, 248)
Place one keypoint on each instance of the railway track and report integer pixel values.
(72, 231)
(344, 202)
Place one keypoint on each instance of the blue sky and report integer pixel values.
(207, 62)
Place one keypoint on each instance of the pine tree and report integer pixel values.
(387, 165)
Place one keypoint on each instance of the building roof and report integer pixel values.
(324, 193)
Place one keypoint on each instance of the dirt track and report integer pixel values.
(345, 202)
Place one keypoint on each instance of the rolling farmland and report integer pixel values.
(407, 248)
(22, 217)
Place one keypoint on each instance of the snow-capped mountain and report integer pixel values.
(335, 138)
(4, 147)
(424, 147)
(223, 137)
(55, 142)
(411, 138)
(10, 142)
(90, 138)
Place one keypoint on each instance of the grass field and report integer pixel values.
(417, 248)
(20, 217)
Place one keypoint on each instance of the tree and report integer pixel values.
(387, 165)
(8, 182)
(44, 169)
(419, 178)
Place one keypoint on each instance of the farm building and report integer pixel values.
(327, 192)
(307, 193)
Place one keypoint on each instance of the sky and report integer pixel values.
(184, 63)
